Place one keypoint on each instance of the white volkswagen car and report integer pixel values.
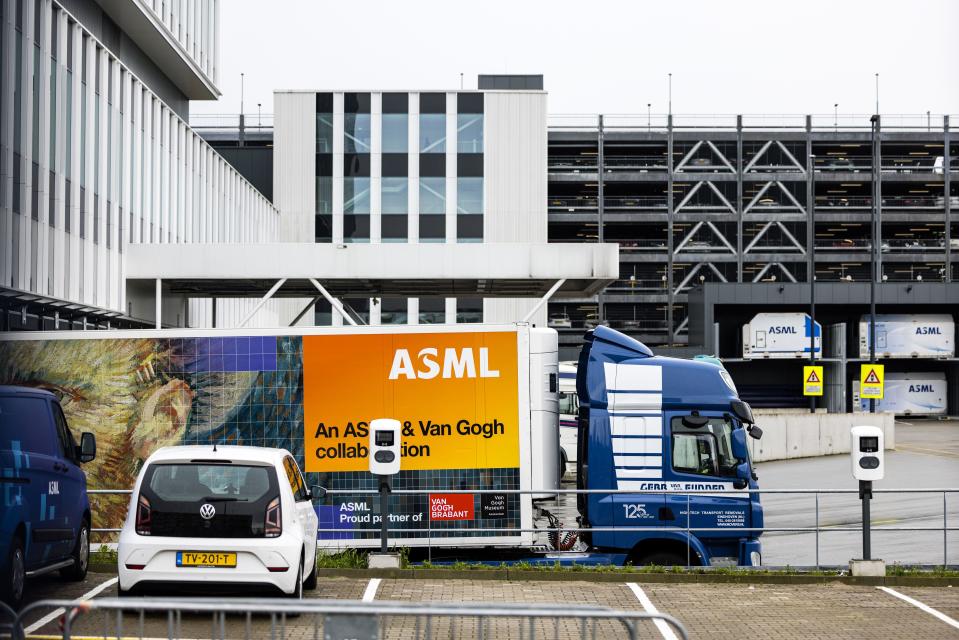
(219, 517)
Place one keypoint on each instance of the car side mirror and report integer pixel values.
(317, 492)
(755, 432)
(88, 447)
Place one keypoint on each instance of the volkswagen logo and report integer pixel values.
(207, 511)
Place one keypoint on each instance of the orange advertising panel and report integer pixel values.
(456, 395)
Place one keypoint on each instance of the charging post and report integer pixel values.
(866, 452)
(384, 459)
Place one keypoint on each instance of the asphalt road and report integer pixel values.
(927, 456)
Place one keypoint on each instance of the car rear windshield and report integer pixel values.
(193, 482)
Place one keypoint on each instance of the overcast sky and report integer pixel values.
(749, 56)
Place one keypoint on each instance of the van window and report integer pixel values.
(568, 404)
(68, 445)
(25, 426)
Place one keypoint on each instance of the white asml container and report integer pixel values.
(910, 336)
(780, 335)
(908, 394)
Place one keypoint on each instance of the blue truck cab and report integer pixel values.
(649, 423)
(44, 509)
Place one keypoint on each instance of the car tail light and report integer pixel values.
(135, 567)
(144, 514)
(273, 526)
(277, 569)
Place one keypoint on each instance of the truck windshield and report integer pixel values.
(706, 450)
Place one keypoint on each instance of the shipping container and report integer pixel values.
(910, 336)
(780, 335)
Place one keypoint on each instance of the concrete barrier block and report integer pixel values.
(772, 446)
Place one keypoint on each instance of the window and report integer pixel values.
(569, 404)
(433, 195)
(356, 195)
(356, 132)
(208, 481)
(704, 451)
(356, 228)
(68, 445)
(324, 195)
(432, 133)
(469, 195)
(23, 426)
(469, 133)
(432, 228)
(324, 123)
(358, 308)
(295, 478)
(432, 310)
(394, 227)
(469, 310)
(395, 133)
(395, 193)
(393, 311)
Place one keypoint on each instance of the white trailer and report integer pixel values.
(910, 336)
(909, 394)
(780, 335)
(478, 405)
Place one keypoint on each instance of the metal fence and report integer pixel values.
(330, 619)
(773, 510)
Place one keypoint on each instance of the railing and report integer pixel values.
(819, 122)
(571, 163)
(572, 203)
(780, 499)
(334, 619)
(635, 202)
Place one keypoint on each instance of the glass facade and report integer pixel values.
(396, 132)
(469, 310)
(469, 133)
(356, 133)
(395, 195)
(432, 311)
(393, 311)
(432, 195)
(432, 133)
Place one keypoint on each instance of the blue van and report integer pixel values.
(44, 510)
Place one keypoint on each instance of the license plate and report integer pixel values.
(205, 559)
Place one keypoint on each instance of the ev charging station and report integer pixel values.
(385, 446)
(868, 465)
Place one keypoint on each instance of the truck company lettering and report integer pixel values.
(782, 330)
(683, 486)
(928, 331)
(457, 363)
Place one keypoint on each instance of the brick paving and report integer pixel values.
(709, 611)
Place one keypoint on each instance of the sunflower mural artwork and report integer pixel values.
(139, 394)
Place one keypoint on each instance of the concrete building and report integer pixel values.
(97, 156)
(415, 167)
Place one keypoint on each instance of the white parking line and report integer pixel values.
(370, 594)
(56, 613)
(664, 629)
(951, 622)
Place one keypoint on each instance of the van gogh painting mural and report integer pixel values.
(139, 394)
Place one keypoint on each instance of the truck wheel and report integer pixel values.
(11, 589)
(81, 555)
(664, 559)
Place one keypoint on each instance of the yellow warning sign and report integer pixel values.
(871, 377)
(812, 377)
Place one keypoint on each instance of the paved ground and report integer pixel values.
(709, 611)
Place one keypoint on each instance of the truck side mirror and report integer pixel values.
(738, 445)
(755, 432)
(742, 411)
(88, 447)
